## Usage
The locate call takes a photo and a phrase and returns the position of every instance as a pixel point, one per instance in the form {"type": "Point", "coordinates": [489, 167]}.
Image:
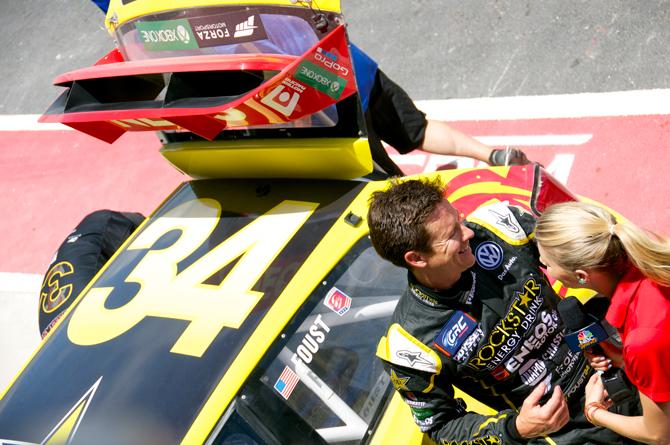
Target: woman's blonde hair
{"type": "Point", "coordinates": [578, 235]}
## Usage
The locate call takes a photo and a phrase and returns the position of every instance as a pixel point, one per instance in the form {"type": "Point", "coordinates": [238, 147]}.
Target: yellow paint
{"type": "Point", "coordinates": [61, 435]}
{"type": "Point", "coordinates": [208, 308]}
{"type": "Point", "coordinates": [397, 426]}
{"type": "Point", "coordinates": [337, 158]}
{"type": "Point", "coordinates": [488, 188]}
{"type": "Point", "coordinates": [137, 9]}
{"type": "Point", "coordinates": [335, 244]}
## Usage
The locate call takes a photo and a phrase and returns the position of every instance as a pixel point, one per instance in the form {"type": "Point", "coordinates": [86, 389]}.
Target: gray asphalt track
{"type": "Point", "coordinates": [435, 49]}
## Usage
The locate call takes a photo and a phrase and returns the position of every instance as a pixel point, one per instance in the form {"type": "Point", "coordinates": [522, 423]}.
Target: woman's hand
{"type": "Point", "coordinates": [613, 357]}
{"type": "Point", "coordinates": [595, 392]}
{"type": "Point", "coordinates": [598, 362]}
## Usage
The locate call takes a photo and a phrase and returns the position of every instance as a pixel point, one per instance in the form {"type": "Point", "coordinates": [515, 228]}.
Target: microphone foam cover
{"type": "Point", "coordinates": [574, 314]}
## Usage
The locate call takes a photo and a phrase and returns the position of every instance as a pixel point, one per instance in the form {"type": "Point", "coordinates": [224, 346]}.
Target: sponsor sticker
{"type": "Point", "coordinates": [506, 221]}
{"type": "Point", "coordinates": [422, 413]}
{"type": "Point", "coordinates": [533, 372]}
{"type": "Point", "coordinates": [320, 79]}
{"type": "Point", "coordinates": [227, 29]}
{"type": "Point", "coordinates": [330, 60]}
{"type": "Point", "coordinates": [399, 382]}
{"type": "Point", "coordinates": [169, 35]}
{"type": "Point", "coordinates": [454, 333]}
{"type": "Point", "coordinates": [489, 255]}
{"type": "Point", "coordinates": [500, 373]}
{"type": "Point", "coordinates": [469, 345]}
{"type": "Point", "coordinates": [413, 357]}
{"type": "Point", "coordinates": [282, 101]}
{"type": "Point", "coordinates": [286, 382]}
{"type": "Point", "coordinates": [508, 332]}
{"type": "Point", "coordinates": [337, 301]}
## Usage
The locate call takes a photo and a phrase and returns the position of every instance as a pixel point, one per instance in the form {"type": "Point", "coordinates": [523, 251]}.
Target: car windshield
{"type": "Point", "coordinates": [321, 381]}
{"type": "Point", "coordinates": [256, 29]}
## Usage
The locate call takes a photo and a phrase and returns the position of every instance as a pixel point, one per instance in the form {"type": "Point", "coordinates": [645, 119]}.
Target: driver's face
{"type": "Point", "coordinates": [450, 241]}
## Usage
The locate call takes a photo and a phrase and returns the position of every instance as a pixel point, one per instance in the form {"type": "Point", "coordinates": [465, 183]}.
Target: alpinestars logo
{"type": "Point", "coordinates": [505, 221]}
{"type": "Point", "coordinates": [412, 357]}
{"type": "Point", "coordinates": [245, 28]}
{"type": "Point", "coordinates": [281, 100]}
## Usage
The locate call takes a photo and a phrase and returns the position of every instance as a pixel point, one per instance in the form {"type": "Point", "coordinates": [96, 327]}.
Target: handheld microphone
{"type": "Point", "coordinates": [583, 331]}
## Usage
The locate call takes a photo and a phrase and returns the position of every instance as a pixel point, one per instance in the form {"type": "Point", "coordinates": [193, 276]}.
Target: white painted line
{"type": "Point", "coordinates": [27, 122]}
{"type": "Point", "coordinates": [551, 139]}
{"type": "Point", "coordinates": [624, 103]}
{"type": "Point", "coordinates": [20, 282]}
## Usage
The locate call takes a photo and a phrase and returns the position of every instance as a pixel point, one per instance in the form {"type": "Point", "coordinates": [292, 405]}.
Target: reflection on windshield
{"type": "Point", "coordinates": [325, 378]}
{"type": "Point", "coordinates": [284, 34]}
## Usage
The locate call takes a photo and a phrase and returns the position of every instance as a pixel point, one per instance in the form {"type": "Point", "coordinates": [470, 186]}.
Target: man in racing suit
{"type": "Point", "coordinates": [477, 314]}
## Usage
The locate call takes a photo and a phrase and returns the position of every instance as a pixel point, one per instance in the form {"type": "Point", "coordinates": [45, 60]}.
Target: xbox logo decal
{"type": "Point", "coordinates": [183, 34]}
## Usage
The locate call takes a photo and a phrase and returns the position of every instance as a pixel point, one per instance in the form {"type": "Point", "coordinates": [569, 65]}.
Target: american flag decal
{"type": "Point", "coordinates": [287, 381]}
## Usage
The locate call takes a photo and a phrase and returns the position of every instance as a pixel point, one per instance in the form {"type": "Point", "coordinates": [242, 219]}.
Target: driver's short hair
{"type": "Point", "coordinates": [397, 217]}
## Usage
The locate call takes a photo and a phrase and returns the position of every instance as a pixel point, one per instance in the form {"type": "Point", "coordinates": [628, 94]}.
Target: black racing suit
{"type": "Point", "coordinates": [496, 334]}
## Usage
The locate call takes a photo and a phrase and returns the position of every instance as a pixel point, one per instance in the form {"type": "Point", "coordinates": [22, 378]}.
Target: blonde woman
{"type": "Point", "coordinates": [583, 246]}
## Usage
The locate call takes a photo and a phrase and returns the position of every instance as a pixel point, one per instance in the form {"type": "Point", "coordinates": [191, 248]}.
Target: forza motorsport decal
{"type": "Point", "coordinates": [286, 382]}
{"type": "Point", "coordinates": [337, 301]}
{"type": "Point", "coordinates": [227, 29]}
{"type": "Point", "coordinates": [489, 255]}
{"type": "Point", "coordinates": [202, 32]}
{"type": "Point", "coordinates": [455, 331]}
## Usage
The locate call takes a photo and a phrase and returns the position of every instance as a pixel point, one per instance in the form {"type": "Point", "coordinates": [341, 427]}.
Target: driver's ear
{"type": "Point", "coordinates": [415, 259]}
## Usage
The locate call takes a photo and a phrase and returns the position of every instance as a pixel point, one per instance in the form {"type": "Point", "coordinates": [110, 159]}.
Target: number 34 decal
{"type": "Point", "coordinates": [163, 293]}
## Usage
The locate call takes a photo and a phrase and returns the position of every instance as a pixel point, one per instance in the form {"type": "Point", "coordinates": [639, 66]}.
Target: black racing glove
{"type": "Point", "coordinates": [508, 156]}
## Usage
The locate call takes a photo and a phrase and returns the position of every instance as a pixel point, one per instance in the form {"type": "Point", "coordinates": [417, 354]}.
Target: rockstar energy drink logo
{"type": "Point", "coordinates": [509, 331]}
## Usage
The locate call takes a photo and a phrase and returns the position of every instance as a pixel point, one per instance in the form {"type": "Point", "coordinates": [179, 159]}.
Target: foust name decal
{"type": "Point", "coordinates": [507, 334]}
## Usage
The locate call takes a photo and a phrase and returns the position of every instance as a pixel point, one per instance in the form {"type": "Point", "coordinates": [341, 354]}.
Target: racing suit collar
{"type": "Point", "coordinates": [460, 293]}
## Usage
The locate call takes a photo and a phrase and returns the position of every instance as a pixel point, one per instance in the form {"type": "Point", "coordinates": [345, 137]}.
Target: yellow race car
{"type": "Point", "coordinates": [247, 309]}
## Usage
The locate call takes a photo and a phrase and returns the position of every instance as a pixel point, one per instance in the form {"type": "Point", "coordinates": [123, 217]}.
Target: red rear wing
{"type": "Point", "coordinates": [204, 94]}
